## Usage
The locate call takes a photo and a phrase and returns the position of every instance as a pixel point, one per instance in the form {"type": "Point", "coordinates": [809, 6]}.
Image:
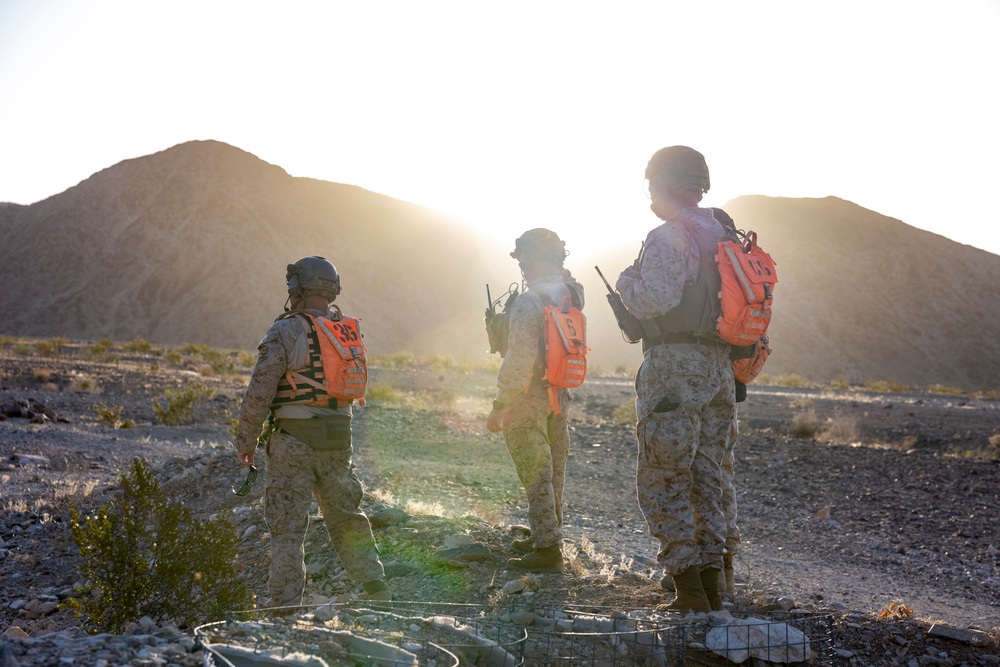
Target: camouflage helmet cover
{"type": "Point", "coordinates": [678, 166]}
{"type": "Point", "coordinates": [539, 243]}
{"type": "Point", "coordinates": [313, 273]}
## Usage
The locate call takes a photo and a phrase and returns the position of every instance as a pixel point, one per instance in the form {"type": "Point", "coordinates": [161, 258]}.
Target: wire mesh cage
{"type": "Point", "coordinates": [515, 635]}
{"type": "Point", "coordinates": [368, 635]}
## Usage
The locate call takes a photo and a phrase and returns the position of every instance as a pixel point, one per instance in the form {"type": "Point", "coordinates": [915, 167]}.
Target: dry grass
{"type": "Point", "coordinates": [840, 429]}
{"type": "Point", "coordinates": [805, 425]}
{"type": "Point", "coordinates": [897, 610]}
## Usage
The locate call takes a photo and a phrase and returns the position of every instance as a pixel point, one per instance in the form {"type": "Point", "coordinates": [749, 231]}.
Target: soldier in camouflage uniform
{"type": "Point", "coordinates": [536, 437]}
{"type": "Point", "coordinates": [309, 451]}
{"type": "Point", "coordinates": [685, 391]}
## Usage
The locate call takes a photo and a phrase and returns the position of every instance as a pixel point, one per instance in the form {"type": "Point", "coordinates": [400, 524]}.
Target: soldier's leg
{"type": "Point", "coordinates": [729, 508]}
{"type": "Point", "coordinates": [529, 450]}
{"type": "Point", "coordinates": [339, 492]}
{"type": "Point", "coordinates": [287, 498]}
{"type": "Point", "coordinates": [663, 485]}
{"type": "Point", "coordinates": [558, 427]}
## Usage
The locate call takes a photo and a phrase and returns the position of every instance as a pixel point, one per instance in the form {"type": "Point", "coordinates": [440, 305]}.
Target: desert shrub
{"type": "Point", "coordinates": [839, 429]}
{"type": "Point", "coordinates": [144, 555]}
{"type": "Point", "coordinates": [177, 407]}
{"type": "Point", "coordinates": [42, 375]}
{"type": "Point", "coordinates": [49, 348]}
{"type": "Point", "coordinates": [787, 380]}
{"type": "Point", "coordinates": [383, 392]}
{"type": "Point", "coordinates": [396, 361]}
{"type": "Point", "coordinates": [944, 390]}
{"type": "Point", "coordinates": [840, 384]}
{"type": "Point", "coordinates": [23, 349]}
{"type": "Point", "coordinates": [102, 350]}
{"type": "Point", "coordinates": [138, 344]}
{"type": "Point", "coordinates": [804, 425]}
{"type": "Point", "coordinates": [112, 416]}
{"type": "Point", "coordinates": [624, 413]}
{"type": "Point", "coordinates": [173, 357]}
{"type": "Point", "coordinates": [897, 610]}
{"type": "Point", "coordinates": [885, 386]}
{"type": "Point", "coordinates": [246, 359]}
{"type": "Point", "coordinates": [84, 384]}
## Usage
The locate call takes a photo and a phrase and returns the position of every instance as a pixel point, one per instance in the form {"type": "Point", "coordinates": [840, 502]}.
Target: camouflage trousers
{"type": "Point", "coordinates": [685, 401]}
{"type": "Point", "coordinates": [733, 539]}
{"type": "Point", "coordinates": [295, 473]}
{"type": "Point", "coordinates": [538, 443]}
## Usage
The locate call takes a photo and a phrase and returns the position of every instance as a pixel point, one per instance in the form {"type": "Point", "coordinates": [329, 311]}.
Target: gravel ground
{"type": "Point", "coordinates": [896, 515]}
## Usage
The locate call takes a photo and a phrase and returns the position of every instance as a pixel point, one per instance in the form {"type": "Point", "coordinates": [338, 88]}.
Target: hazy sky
{"type": "Point", "coordinates": [521, 114]}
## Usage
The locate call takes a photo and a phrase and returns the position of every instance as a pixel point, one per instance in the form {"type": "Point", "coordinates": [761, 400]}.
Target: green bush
{"type": "Point", "coordinates": [144, 555]}
{"type": "Point", "coordinates": [112, 416]}
{"type": "Point", "coordinates": [138, 344]}
{"type": "Point", "coordinates": [177, 408]}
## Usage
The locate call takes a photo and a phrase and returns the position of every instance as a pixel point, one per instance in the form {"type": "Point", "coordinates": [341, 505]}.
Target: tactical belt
{"type": "Point", "coordinates": [680, 337]}
{"type": "Point", "coordinates": [320, 433]}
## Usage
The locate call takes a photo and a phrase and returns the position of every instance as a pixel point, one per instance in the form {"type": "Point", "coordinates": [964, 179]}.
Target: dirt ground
{"type": "Point", "coordinates": [891, 507]}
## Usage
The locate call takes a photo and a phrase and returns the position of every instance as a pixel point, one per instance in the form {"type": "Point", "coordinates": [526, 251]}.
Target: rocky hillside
{"type": "Point", "coordinates": [190, 245]}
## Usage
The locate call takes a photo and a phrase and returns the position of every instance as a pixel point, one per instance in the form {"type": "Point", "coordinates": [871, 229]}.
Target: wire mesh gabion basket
{"type": "Point", "coordinates": [362, 636]}
{"type": "Point", "coordinates": [444, 634]}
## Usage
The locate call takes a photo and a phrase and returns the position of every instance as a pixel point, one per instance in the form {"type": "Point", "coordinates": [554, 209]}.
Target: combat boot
{"type": "Point", "coordinates": [544, 560]}
{"type": "Point", "coordinates": [690, 594]}
{"type": "Point", "coordinates": [377, 590]}
{"type": "Point", "coordinates": [710, 584]}
{"type": "Point", "coordinates": [525, 546]}
{"type": "Point", "coordinates": [728, 574]}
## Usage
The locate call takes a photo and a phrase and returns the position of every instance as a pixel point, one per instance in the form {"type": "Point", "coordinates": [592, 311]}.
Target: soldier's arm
{"type": "Point", "coordinates": [518, 367]}
{"type": "Point", "coordinates": [270, 367]}
{"type": "Point", "coordinates": [656, 287]}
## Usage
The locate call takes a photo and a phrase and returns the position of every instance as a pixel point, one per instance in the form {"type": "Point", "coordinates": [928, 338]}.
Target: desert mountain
{"type": "Point", "coordinates": [190, 245]}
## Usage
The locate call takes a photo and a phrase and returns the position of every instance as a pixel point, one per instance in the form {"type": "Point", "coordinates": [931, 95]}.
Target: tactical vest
{"type": "Point", "coordinates": [699, 308]}
{"type": "Point", "coordinates": [336, 371]}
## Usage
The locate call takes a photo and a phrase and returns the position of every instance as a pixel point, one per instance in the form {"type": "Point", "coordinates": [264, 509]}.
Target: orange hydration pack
{"type": "Point", "coordinates": [337, 369]}
{"type": "Point", "coordinates": [565, 349]}
{"type": "Point", "coordinates": [748, 278]}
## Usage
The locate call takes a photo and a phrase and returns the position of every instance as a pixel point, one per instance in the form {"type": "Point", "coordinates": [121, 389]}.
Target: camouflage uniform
{"type": "Point", "coordinates": [537, 439]}
{"type": "Point", "coordinates": [685, 403]}
{"type": "Point", "coordinates": [733, 539]}
{"type": "Point", "coordinates": [296, 471]}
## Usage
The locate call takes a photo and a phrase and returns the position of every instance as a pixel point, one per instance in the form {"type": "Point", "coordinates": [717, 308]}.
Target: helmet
{"type": "Point", "coordinates": [678, 166]}
{"type": "Point", "coordinates": [313, 273]}
{"type": "Point", "coordinates": [539, 243]}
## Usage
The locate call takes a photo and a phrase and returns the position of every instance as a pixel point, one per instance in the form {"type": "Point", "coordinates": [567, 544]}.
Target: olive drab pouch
{"type": "Point", "coordinates": [748, 279]}
{"type": "Point", "coordinates": [498, 321]}
{"type": "Point", "coordinates": [565, 349]}
{"type": "Point", "coordinates": [331, 432]}
{"type": "Point", "coordinates": [745, 370]}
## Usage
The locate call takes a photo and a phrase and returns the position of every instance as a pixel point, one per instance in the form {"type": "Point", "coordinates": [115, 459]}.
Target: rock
{"type": "Point", "coordinates": [381, 515]}
{"type": "Point", "coordinates": [463, 555]}
{"type": "Point", "coordinates": [958, 634]}
{"type": "Point", "coordinates": [753, 637]}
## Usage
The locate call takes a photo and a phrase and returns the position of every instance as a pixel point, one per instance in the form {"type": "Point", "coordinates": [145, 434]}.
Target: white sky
{"type": "Point", "coordinates": [525, 113]}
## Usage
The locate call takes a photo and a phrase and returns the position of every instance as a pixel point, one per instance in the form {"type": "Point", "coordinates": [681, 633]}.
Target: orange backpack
{"type": "Point", "coordinates": [338, 371]}
{"type": "Point", "coordinates": [748, 278]}
{"type": "Point", "coordinates": [746, 370]}
{"type": "Point", "coordinates": [565, 349]}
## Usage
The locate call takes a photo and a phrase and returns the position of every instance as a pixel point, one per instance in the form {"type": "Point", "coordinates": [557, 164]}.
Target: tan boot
{"type": "Point", "coordinates": [729, 573]}
{"type": "Point", "coordinates": [546, 559]}
{"type": "Point", "coordinates": [524, 546]}
{"type": "Point", "coordinates": [690, 594]}
{"type": "Point", "coordinates": [710, 584]}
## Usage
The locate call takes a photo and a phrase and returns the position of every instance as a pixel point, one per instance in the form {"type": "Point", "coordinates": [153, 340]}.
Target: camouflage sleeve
{"type": "Point", "coordinates": [270, 367]}
{"type": "Point", "coordinates": [518, 367]}
{"type": "Point", "coordinates": [657, 286]}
